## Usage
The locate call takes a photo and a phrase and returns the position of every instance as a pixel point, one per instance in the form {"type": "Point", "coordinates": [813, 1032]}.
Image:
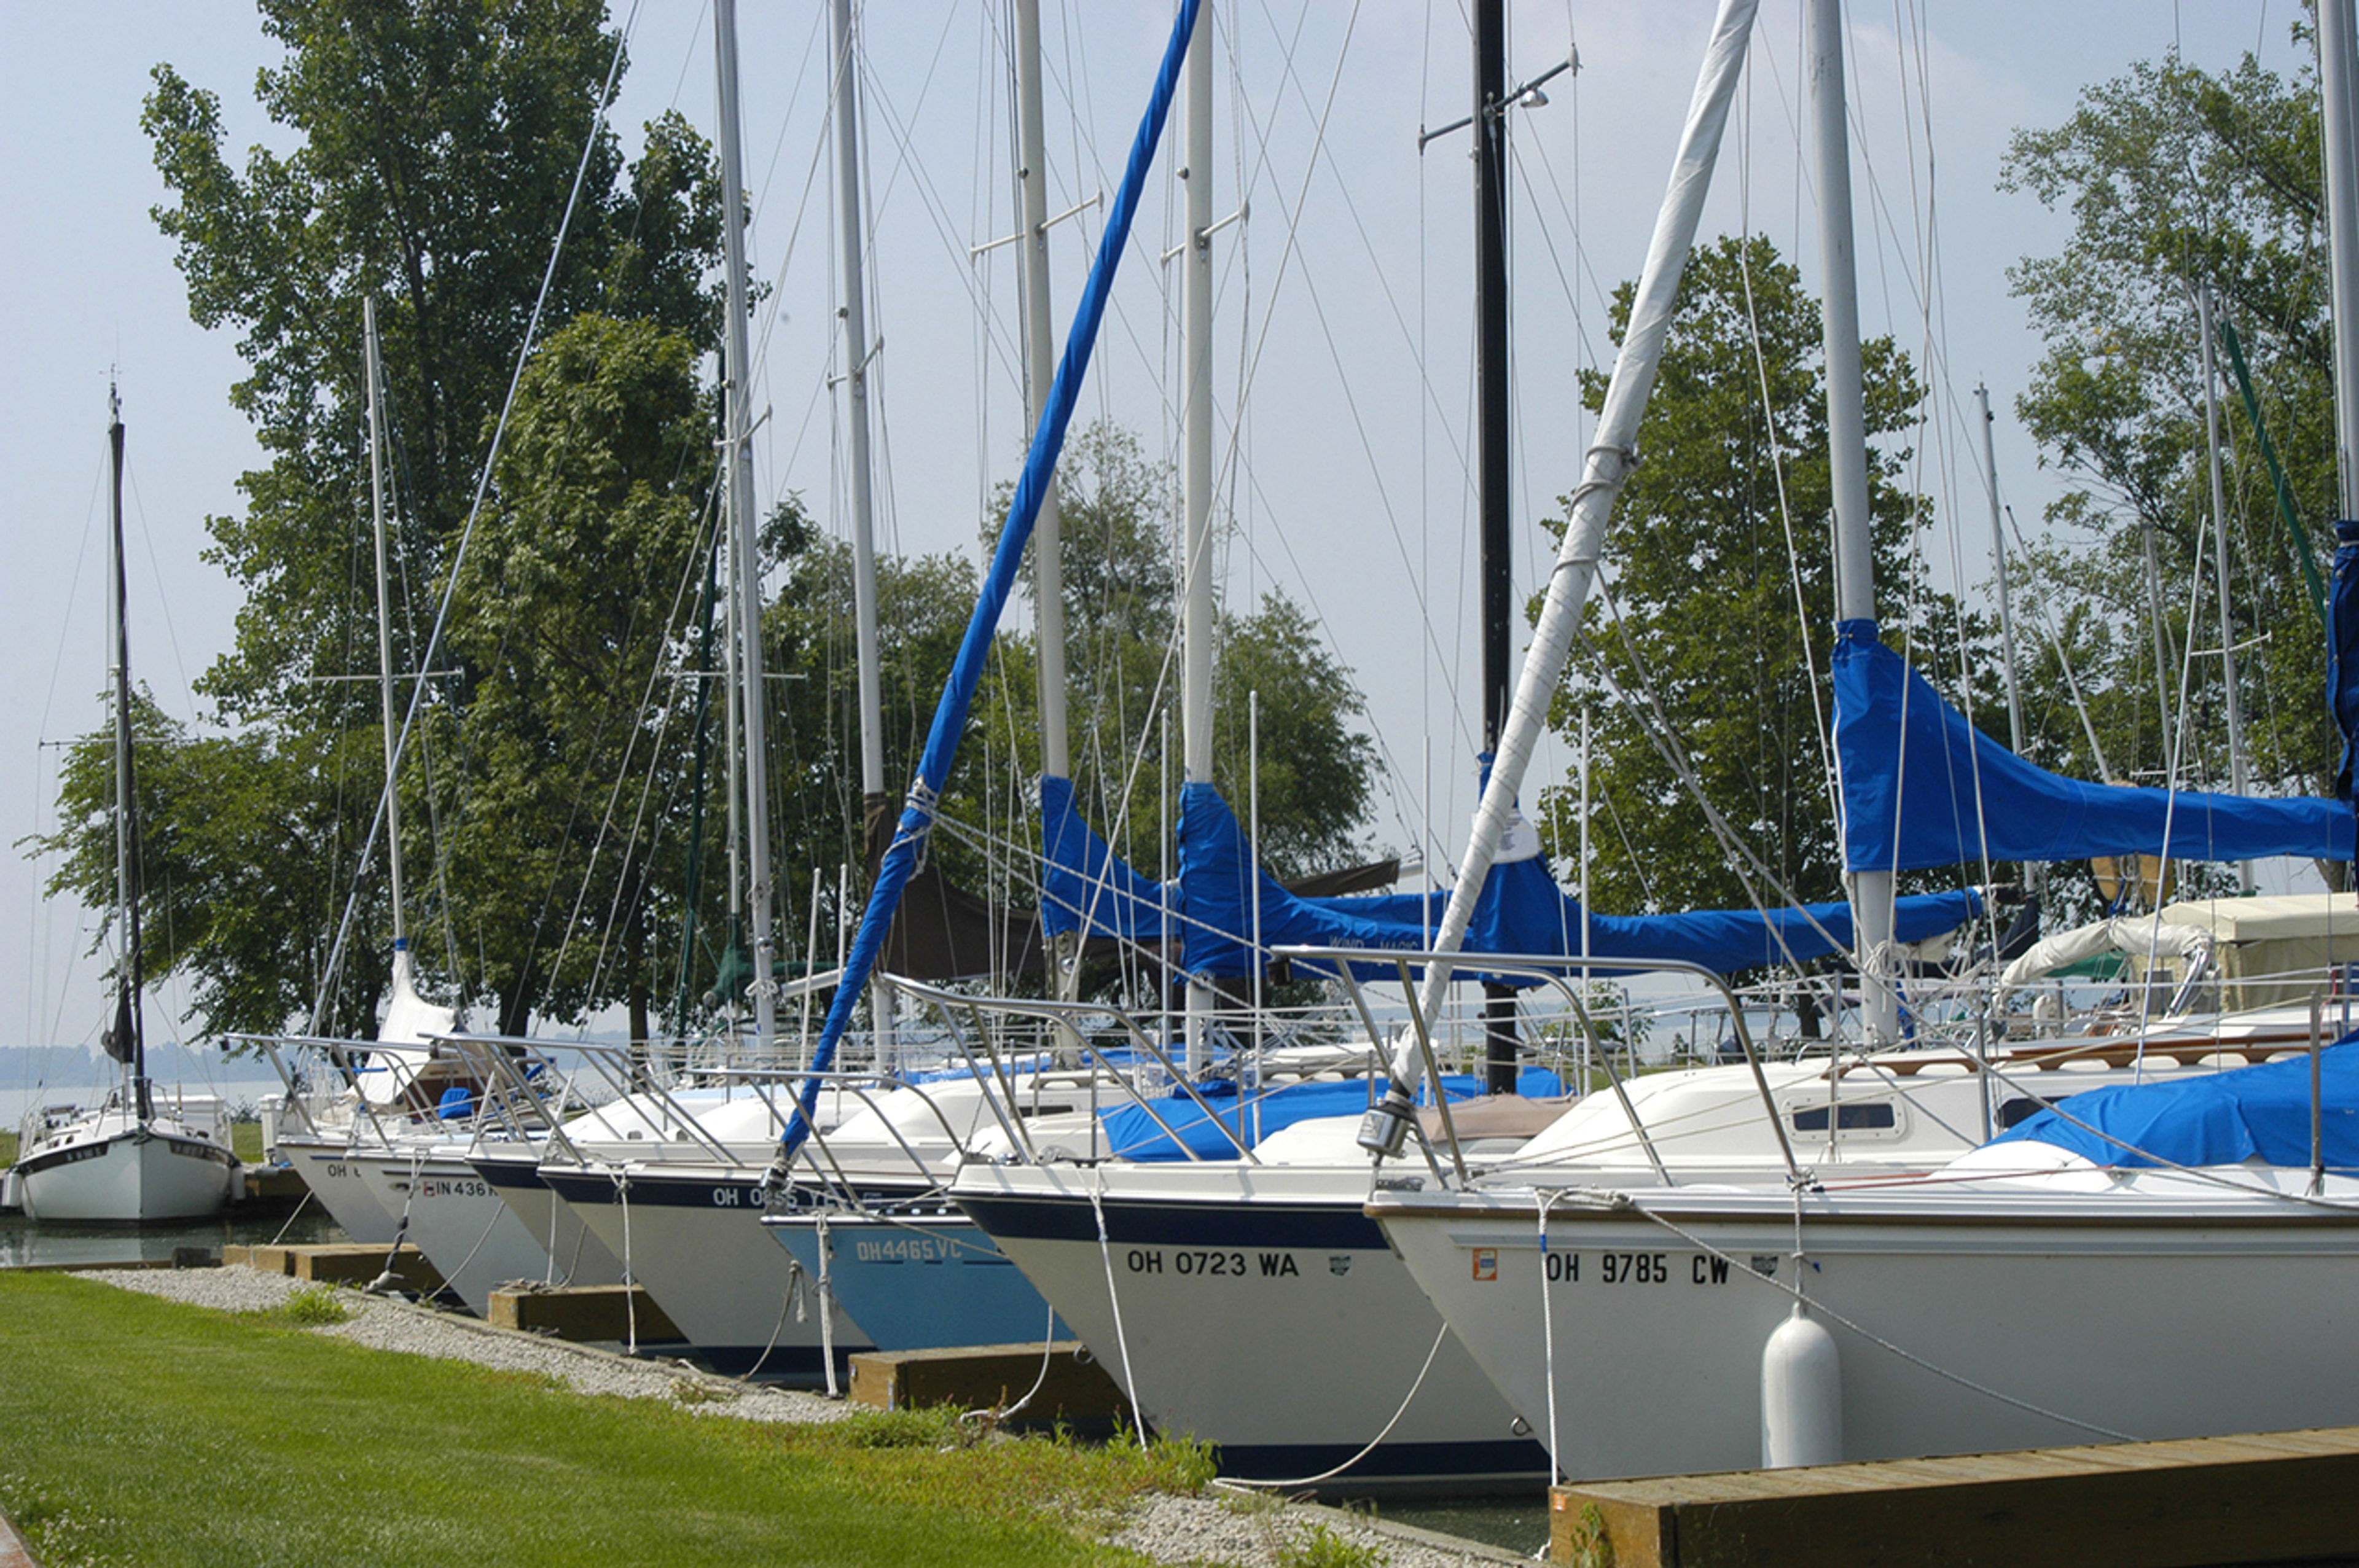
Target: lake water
{"type": "Point", "coordinates": [22, 1242]}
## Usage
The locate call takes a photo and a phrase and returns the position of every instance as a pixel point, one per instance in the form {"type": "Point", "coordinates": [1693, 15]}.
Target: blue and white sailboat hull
{"type": "Point", "coordinates": [916, 1278]}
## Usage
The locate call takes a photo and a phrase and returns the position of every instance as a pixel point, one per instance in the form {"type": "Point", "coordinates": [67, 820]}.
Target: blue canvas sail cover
{"type": "Point", "coordinates": [1522, 911]}
{"type": "Point", "coordinates": [2219, 1118]}
{"type": "Point", "coordinates": [2342, 658]}
{"type": "Point", "coordinates": [1132, 1133]}
{"type": "Point", "coordinates": [1922, 788]}
{"type": "Point", "coordinates": [1084, 885]}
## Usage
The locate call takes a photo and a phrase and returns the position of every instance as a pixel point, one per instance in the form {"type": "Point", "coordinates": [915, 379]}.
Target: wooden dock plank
{"type": "Point", "coordinates": [2252, 1498]}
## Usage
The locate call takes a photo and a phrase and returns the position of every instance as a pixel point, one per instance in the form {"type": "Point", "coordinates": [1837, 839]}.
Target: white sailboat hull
{"type": "Point", "coordinates": [112, 1168]}
{"type": "Point", "coordinates": [334, 1176]}
{"type": "Point", "coordinates": [691, 1234]}
{"type": "Point", "coordinates": [455, 1218]}
{"type": "Point", "coordinates": [576, 1255]}
{"type": "Point", "coordinates": [1258, 1310]}
{"type": "Point", "coordinates": [2028, 1319]}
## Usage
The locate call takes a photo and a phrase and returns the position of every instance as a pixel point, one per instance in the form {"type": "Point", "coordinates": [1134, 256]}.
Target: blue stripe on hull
{"type": "Point", "coordinates": [1148, 1222]}
{"type": "Point", "coordinates": [1508, 1464]}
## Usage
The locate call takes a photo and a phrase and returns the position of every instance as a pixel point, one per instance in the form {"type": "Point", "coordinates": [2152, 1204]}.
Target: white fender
{"type": "Point", "coordinates": [1801, 1395]}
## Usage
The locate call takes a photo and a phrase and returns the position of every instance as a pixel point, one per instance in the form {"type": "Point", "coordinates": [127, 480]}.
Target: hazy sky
{"type": "Point", "coordinates": [1343, 310]}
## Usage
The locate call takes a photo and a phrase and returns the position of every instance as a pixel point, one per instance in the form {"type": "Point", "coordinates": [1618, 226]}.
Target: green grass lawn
{"type": "Point", "coordinates": [139, 1430]}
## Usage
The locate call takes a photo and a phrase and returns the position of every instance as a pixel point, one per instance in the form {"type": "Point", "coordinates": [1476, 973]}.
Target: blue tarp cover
{"type": "Point", "coordinates": [2219, 1118]}
{"type": "Point", "coordinates": [1083, 882]}
{"type": "Point", "coordinates": [2342, 657]}
{"type": "Point", "coordinates": [1132, 1134]}
{"type": "Point", "coordinates": [1522, 911]}
{"type": "Point", "coordinates": [1922, 788]}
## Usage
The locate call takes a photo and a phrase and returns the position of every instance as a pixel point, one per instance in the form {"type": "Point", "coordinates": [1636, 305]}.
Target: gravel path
{"type": "Point", "coordinates": [1242, 1532]}
{"type": "Point", "coordinates": [384, 1324]}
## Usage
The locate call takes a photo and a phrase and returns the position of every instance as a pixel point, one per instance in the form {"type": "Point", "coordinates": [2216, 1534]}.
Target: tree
{"type": "Point", "coordinates": [1717, 622]}
{"type": "Point", "coordinates": [567, 614]}
{"type": "Point", "coordinates": [237, 841]}
{"type": "Point", "coordinates": [2177, 178]}
{"type": "Point", "coordinates": [437, 147]}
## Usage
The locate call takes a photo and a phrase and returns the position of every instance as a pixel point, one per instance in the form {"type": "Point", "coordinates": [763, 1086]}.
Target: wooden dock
{"type": "Point", "coordinates": [2264, 1498]}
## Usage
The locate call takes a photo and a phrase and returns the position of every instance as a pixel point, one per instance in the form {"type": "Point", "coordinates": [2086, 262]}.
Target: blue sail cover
{"type": "Point", "coordinates": [1922, 788]}
{"type": "Point", "coordinates": [1132, 1134]}
{"type": "Point", "coordinates": [1083, 883]}
{"type": "Point", "coordinates": [2220, 1118]}
{"type": "Point", "coordinates": [2342, 658]}
{"type": "Point", "coordinates": [983, 624]}
{"type": "Point", "coordinates": [1522, 911]}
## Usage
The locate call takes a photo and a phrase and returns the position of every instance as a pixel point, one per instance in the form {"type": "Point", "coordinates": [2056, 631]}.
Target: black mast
{"type": "Point", "coordinates": [128, 1044]}
{"type": "Point", "coordinates": [1491, 447]}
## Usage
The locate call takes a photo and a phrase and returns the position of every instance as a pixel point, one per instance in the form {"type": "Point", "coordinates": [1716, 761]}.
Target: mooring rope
{"type": "Point", "coordinates": [1120, 1340]}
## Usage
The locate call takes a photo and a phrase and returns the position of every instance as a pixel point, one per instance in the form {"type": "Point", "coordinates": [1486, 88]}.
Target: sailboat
{"type": "Point", "coordinates": [127, 1161]}
{"type": "Point", "coordinates": [2167, 1260]}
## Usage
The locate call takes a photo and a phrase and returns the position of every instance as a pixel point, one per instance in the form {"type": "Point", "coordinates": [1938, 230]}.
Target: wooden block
{"type": "Point", "coordinates": [989, 1376]}
{"type": "Point", "coordinates": [358, 1265]}
{"type": "Point", "coordinates": [2275, 1496]}
{"type": "Point", "coordinates": [583, 1312]}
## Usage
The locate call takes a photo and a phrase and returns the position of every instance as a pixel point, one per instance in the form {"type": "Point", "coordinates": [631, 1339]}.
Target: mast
{"type": "Point", "coordinates": [1612, 455]}
{"type": "Point", "coordinates": [2336, 67]}
{"type": "Point", "coordinates": [371, 374]}
{"type": "Point", "coordinates": [1871, 892]}
{"type": "Point", "coordinates": [736, 376]}
{"type": "Point", "coordinates": [875, 801]}
{"type": "Point", "coordinates": [1490, 127]}
{"type": "Point", "coordinates": [2032, 873]}
{"type": "Point", "coordinates": [2238, 779]}
{"type": "Point", "coordinates": [128, 1044]}
{"type": "Point", "coordinates": [1196, 561]}
{"type": "Point", "coordinates": [1039, 369]}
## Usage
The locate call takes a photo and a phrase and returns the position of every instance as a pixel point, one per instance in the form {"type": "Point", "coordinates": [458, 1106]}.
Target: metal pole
{"type": "Point", "coordinates": [2336, 69]}
{"type": "Point", "coordinates": [1039, 369]}
{"type": "Point", "coordinates": [383, 621]}
{"type": "Point", "coordinates": [1490, 123]}
{"type": "Point", "coordinates": [2238, 774]}
{"type": "Point", "coordinates": [1196, 561]}
{"type": "Point", "coordinates": [855, 312]}
{"type": "Point", "coordinates": [1871, 892]}
{"type": "Point", "coordinates": [743, 525]}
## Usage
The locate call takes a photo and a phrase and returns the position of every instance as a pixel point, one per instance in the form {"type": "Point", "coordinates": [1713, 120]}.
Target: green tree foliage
{"type": "Point", "coordinates": [221, 817]}
{"type": "Point", "coordinates": [1122, 614]}
{"type": "Point", "coordinates": [1722, 600]}
{"type": "Point", "coordinates": [434, 147]}
{"type": "Point", "coordinates": [2175, 177]}
{"type": "Point", "coordinates": [564, 622]}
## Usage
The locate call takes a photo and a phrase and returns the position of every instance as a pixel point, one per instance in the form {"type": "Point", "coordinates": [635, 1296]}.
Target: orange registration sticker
{"type": "Point", "coordinates": [1486, 1263]}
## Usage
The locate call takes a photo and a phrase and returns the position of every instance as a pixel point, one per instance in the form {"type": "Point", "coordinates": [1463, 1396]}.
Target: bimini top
{"type": "Point", "coordinates": [2217, 1118]}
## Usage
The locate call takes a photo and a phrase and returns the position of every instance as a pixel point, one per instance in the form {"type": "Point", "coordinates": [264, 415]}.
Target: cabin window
{"type": "Point", "coordinates": [1868, 1116]}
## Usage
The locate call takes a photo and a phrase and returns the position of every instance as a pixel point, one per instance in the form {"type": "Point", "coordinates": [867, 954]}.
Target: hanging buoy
{"type": "Point", "coordinates": [1801, 1395]}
